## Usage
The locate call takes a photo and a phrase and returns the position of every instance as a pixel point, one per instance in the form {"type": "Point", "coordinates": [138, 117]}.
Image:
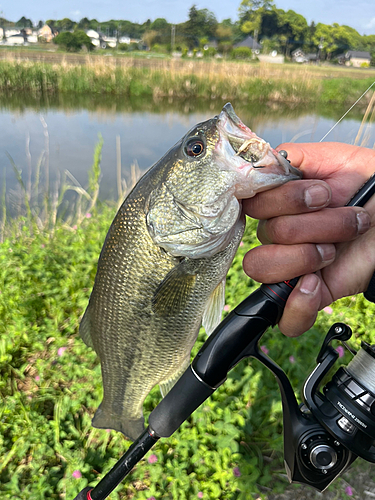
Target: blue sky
{"type": "Point", "coordinates": [359, 14]}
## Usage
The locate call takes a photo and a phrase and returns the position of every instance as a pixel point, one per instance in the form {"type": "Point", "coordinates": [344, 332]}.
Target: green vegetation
{"type": "Point", "coordinates": [50, 383]}
{"type": "Point", "coordinates": [275, 28]}
{"type": "Point", "coordinates": [206, 80]}
{"type": "Point", "coordinates": [73, 42]}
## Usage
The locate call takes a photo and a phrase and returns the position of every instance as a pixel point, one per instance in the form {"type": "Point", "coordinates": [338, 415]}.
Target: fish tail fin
{"type": "Point", "coordinates": [105, 419]}
{"type": "Point", "coordinates": [85, 329]}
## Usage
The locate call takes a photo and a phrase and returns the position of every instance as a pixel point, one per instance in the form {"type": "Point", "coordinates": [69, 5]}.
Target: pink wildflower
{"type": "Point", "coordinates": [152, 459]}
{"type": "Point", "coordinates": [61, 350]}
{"type": "Point", "coordinates": [88, 215]}
{"type": "Point", "coordinates": [42, 245]}
{"type": "Point", "coordinates": [340, 350]}
{"type": "Point", "coordinates": [236, 472]}
{"type": "Point", "coordinates": [349, 491]}
{"type": "Point", "coordinates": [226, 307]}
{"type": "Point", "coordinates": [151, 498]}
{"type": "Point", "coordinates": [292, 359]}
{"type": "Point", "coordinates": [37, 378]}
{"type": "Point", "coordinates": [200, 494]}
{"type": "Point", "coordinates": [75, 227]}
{"type": "Point", "coordinates": [241, 244]}
{"type": "Point", "coordinates": [328, 310]}
{"type": "Point", "coordinates": [264, 349]}
{"type": "Point", "coordinates": [77, 474]}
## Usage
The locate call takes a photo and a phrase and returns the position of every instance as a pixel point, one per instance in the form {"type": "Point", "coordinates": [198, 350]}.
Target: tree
{"type": "Point", "coordinates": [66, 24]}
{"type": "Point", "coordinates": [160, 24]}
{"type": "Point", "coordinates": [84, 24]}
{"type": "Point", "coordinates": [73, 42]}
{"type": "Point", "coordinates": [251, 14]}
{"type": "Point", "coordinates": [201, 23]}
{"type": "Point", "coordinates": [24, 23]}
{"type": "Point", "coordinates": [334, 39]}
{"type": "Point", "coordinates": [150, 37]}
{"type": "Point", "coordinates": [293, 27]}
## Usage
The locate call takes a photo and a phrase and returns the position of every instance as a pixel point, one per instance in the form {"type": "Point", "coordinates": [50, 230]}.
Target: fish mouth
{"type": "Point", "coordinates": [252, 151]}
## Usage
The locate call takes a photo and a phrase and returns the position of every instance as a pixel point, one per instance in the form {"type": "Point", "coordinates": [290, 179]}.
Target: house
{"type": "Point", "coordinates": [355, 58]}
{"type": "Point", "coordinates": [124, 39]}
{"type": "Point", "coordinates": [250, 43]}
{"type": "Point", "coordinates": [47, 32]}
{"type": "Point", "coordinates": [299, 56]}
{"type": "Point", "coordinates": [18, 39]}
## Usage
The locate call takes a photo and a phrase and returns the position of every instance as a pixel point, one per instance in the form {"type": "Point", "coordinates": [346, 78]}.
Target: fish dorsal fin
{"type": "Point", "coordinates": [166, 385]}
{"type": "Point", "coordinates": [214, 308]}
{"type": "Point", "coordinates": [175, 290]}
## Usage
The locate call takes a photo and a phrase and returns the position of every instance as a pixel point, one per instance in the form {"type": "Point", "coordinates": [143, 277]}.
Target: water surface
{"type": "Point", "coordinates": [66, 129]}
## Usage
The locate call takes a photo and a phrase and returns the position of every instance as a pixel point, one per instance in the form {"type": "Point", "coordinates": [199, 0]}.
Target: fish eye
{"type": "Point", "coordinates": [194, 147]}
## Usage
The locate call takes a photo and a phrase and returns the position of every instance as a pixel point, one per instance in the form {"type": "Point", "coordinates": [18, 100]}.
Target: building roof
{"type": "Point", "coordinates": [358, 54]}
{"type": "Point", "coordinates": [248, 42]}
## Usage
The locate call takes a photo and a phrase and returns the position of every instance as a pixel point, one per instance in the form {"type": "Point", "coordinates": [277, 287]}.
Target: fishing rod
{"type": "Point", "coordinates": [322, 437]}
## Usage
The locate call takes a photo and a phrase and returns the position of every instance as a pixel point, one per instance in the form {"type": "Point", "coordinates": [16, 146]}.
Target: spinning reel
{"type": "Point", "coordinates": [333, 426]}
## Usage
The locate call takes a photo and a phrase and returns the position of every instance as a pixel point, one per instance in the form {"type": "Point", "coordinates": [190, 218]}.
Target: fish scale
{"type": "Point", "coordinates": [162, 269]}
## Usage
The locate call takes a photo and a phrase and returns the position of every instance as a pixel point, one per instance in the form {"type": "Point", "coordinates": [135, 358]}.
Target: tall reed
{"type": "Point", "coordinates": [183, 79]}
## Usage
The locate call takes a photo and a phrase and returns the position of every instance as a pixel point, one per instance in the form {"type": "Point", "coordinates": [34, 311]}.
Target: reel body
{"type": "Point", "coordinates": [326, 433]}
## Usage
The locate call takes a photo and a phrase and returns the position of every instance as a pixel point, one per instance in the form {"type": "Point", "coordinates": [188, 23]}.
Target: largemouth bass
{"type": "Point", "coordinates": [161, 272]}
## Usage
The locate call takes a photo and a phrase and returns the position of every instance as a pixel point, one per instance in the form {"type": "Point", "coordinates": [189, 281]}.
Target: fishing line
{"type": "Point", "coordinates": [362, 368]}
{"type": "Point", "coordinates": [343, 116]}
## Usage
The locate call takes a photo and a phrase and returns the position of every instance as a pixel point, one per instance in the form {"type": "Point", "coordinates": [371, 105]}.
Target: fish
{"type": "Point", "coordinates": [161, 272]}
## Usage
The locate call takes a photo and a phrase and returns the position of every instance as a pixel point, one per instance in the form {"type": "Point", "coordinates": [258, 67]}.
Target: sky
{"type": "Point", "coordinates": [359, 14]}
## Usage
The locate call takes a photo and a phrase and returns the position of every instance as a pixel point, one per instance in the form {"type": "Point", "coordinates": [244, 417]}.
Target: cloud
{"type": "Point", "coordinates": [75, 13]}
{"type": "Point", "coordinates": [371, 24]}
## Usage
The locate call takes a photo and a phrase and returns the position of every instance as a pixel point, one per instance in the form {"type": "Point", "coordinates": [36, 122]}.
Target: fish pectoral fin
{"type": "Point", "coordinates": [214, 308]}
{"type": "Point", "coordinates": [173, 293]}
{"type": "Point", "coordinates": [166, 385]}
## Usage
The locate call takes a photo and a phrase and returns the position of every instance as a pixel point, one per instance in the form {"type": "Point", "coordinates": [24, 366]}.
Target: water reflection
{"type": "Point", "coordinates": [147, 129]}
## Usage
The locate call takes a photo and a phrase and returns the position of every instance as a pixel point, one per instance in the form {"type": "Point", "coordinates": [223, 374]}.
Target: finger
{"type": "Point", "coordinates": [343, 166]}
{"type": "Point", "coordinates": [330, 225]}
{"type": "Point", "coordinates": [291, 198]}
{"type": "Point", "coordinates": [302, 306]}
{"type": "Point", "coordinates": [274, 263]}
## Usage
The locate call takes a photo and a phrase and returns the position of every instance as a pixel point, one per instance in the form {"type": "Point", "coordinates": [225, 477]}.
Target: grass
{"type": "Point", "coordinates": [50, 383]}
{"type": "Point", "coordinates": [133, 78]}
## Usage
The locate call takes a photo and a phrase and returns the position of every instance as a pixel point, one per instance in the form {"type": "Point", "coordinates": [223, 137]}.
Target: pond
{"type": "Point", "coordinates": [61, 134]}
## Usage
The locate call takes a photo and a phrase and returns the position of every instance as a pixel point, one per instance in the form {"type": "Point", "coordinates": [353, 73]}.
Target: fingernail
{"type": "Point", "coordinates": [309, 284]}
{"type": "Point", "coordinates": [327, 251]}
{"type": "Point", "coordinates": [317, 196]}
{"type": "Point", "coordinates": [363, 222]}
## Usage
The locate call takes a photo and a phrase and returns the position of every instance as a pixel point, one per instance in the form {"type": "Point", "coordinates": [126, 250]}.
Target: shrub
{"type": "Point", "coordinates": [242, 53]}
{"type": "Point", "coordinates": [124, 47]}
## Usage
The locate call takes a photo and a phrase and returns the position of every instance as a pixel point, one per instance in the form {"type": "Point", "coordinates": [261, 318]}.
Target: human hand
{"type": "Point", "coordinates": [306, 229]}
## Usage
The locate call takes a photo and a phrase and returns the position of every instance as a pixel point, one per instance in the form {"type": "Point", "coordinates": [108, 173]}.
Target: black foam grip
{"type": "Point", "coordinates": [184, 398]}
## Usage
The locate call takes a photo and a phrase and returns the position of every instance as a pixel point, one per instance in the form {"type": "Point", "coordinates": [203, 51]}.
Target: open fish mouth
{"type": "Point", "coordinates": [245, 144]}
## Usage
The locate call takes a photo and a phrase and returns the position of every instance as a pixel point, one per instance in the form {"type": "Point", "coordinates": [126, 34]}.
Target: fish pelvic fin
{"type": "Point", "coordinates": [85, 329]}
{"type": "Point", "coordinates": [105, 419]}
{"type": "Point", "coordinates": [166, 385]}
{"type": "Point", "coordinates": [214, 308]}
{"type": "Point", "coordinates": [174, 291]}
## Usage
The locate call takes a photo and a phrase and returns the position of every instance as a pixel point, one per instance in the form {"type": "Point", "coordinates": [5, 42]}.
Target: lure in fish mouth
{"type": "Point", "coordinates": [161, 272]}
{"type": "Point", "coordinates": [254, 154]}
